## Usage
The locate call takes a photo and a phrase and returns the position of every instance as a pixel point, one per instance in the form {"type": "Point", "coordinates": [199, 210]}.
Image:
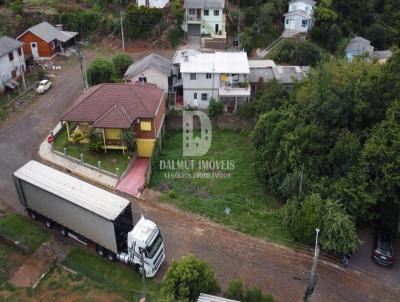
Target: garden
{"type": "Point", "coordinates": [114, 161]}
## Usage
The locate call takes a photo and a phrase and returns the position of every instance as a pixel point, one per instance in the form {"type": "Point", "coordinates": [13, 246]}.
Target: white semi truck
{"type": "Point", "coordinates": [89, 214]}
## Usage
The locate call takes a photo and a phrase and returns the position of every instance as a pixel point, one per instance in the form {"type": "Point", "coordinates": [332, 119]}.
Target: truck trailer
{"type": "Point", "coordinates": [89, 214]}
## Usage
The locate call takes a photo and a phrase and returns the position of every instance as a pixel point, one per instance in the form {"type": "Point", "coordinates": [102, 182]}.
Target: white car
{"type": "Point", "coordinates": [44, 85]}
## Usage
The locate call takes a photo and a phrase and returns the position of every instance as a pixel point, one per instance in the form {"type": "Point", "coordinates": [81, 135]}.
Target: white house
{"type": "Point", "coordinates": [299, 18]}
{"type": "Point", "coordinates": [12, 63]}
{"type": "Point", "coordinates": [204, 17]}
{"type": "Point", "coordinates": [219, 75]}
{"type": "Point", "coordinates": [152, 3]}
{"type": "Point", "coordinates": [154, 69]}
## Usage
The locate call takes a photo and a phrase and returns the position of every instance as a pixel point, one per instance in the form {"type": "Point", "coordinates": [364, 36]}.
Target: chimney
{"type": "Point", "coordinates": [59, 27]}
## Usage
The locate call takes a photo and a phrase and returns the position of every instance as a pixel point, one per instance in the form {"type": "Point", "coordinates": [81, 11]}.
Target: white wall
{"type": "Point", "coordinates": [7, 66]}
{"type": "Point", "coordinates": [153, 76]}
{"type": "Point", "coordinates": [212, 20]}
{"type": "Point", "coordinates": [199, 86]}
{"type": "Point", "coordinates": [301, 6]}
{"type": "Point", "coordinates": [188, 97]}
{"type": "Point", "coordinates": [295, 23]}
{"type": "Point", "coordinates": [153, 3]}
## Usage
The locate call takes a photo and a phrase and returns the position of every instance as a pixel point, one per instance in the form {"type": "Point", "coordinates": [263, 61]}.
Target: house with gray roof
{"type": "Point", "coordinates": [263, 71]}
{"type": "Point", "coordinates": [204, 17]}
{"type": "Point", "coordinates": [43, 41]}
{"type": "Point", "coordinates": [12, 62]}
{"type": "Point", "coordinates": [154, 69]}
{"type": "Point", "coordinates": [359, 46]}
{"type": "Point", "coordinates": [209, 298]}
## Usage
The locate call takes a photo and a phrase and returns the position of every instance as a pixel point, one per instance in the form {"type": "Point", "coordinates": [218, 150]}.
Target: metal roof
{"type": "Point", "coordinates": [83, 194]}
{"type": "Point", "coordinates": [310, 2]}
{"type": "Point", "coordinates": [261, 63]}
{"type": "Point", "coordinates": [218, 62]}
{"type": "Point", "coordinates": [8, 44]}
{"type": "Point", "coordinates": [359, 44]}
{"type": "Point", "coordinates": [209, 298]}
{"type": "Point", "coordinates": [204, 4]}
{"type": "Point", "coordinates": [48, 32]}
{"type": "Point", "coordinates": [154, 60]}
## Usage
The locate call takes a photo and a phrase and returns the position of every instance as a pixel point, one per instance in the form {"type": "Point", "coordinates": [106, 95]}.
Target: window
{"type": "Point", "coordinates": [206, 12]}
{"type": "Point", "coordinates": [145, 126]}
{"type": "Point", "coordinates": [307, 8]}
{"type": "Point", "coordinates": [11, 56]}
{"type": "Point", "coordinates": [304, 23]}
{"type": "Point", "coordinates": [53, 45]}
{"type": "Point", "coordinates": [287, 21]}
{"type": "Point", "coordinates": [20, 51]}
{"type": "Point", "coordinates": [192, 11]}
{"type": "Point", "coordinates": [195, 95]}
{"type": "Point", "coordinates": [192, 76]}
{"type": "Point", "coordinates": [216, 12]}
{"type": "Point", "coordinates": [294, 7]}
{"type": "Point", "coordinates": [204, 97]}
{"type": "Point", "coordinates": [113, 134]}
{"type": "Point", "coordinates": [208, 75]}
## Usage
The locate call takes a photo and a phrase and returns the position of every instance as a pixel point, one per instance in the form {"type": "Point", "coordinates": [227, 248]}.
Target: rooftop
{"type": "Point", "coordinates": [154, 60]}
{"type": "Point", "coordinates": [359, 44]}
{"type": "Point", "coordinates": [8, 44]}
{"type": "Point", "coordinates": [217, 62]}
{"type": "Point", "coordinates": [209, 298]}
{"type": "Point", "coordinates": [115, 105]}
{"type": "Point", "coordinates": [284, 74]}
{"type": "Point", "coordinates": [204, 4]}
{"type": "Point", "coordinates": [145, 230]}
{"type": "Point", "coordinates": [49, 33]}
{"type": "Point", "coordinates": [261, 63]}
{"type": "Point", "coordinates": [78, 192]}
{"type": "Point", "coordinates": [310, 2]}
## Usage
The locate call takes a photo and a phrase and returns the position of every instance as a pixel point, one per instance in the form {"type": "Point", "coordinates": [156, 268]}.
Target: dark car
{"type": "Point", "coordinates": [383, 252]}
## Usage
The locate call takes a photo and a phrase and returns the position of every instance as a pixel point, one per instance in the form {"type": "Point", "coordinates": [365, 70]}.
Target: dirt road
{"type": "Point", "coordinates": [278, 270]}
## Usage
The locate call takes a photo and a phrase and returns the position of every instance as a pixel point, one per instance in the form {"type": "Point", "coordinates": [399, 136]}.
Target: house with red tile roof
{"type": "Point", "coordinates": [111, 109]}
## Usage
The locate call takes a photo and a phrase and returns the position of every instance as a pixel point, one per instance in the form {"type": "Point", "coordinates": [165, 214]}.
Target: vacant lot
{"type": "Point", "coordinates": [250, 209]}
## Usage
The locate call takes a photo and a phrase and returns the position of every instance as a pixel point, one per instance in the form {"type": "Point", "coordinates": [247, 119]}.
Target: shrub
{"type": "Point", "coordinates": [215, 108]}
{"type": "Point", "coordinates": [237, 291]}
{"type": "Point", "coordinates": [175, 35]}
{"type": "Point", "coordinates": [121, 63]}
{"type": "Point", "coordinates": [187, 278]}
{"type": "Point", "coordinates": [16, 6]}
{"type": "Point", "coordinates": [298, 53]}
{"type": "Point", "coordinates": [100, 71]}
{"type": "Point", "coordinates": [95, 142]}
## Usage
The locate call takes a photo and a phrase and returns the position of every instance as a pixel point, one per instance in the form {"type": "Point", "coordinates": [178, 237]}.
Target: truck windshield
{"type": "Point", "coordinates": [153, 248]}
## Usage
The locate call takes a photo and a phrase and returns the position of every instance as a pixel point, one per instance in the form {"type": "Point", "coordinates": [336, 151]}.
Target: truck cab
{"type": "Point", "coordinates": [145, 239]}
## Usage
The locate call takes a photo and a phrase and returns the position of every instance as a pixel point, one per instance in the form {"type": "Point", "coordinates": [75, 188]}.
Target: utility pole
{"type": "Point", "coordinates": [122, 31]}
{"type": "Point", "coordinates": [301, 181]}
{"type": "Point", "coordinates": [144, 277]}
{"type": "Point", "coordinates": [312, 281]}
{"type": "Point", "coordinates": [82, 71]}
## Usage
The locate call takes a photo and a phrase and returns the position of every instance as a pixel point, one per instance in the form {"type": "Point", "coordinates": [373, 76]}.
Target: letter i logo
{"type": "Point", "coordinates": [196, 146]}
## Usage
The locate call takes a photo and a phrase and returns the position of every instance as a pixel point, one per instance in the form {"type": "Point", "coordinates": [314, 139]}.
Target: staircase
{"type": "Point", "coordinates": [263, 52]}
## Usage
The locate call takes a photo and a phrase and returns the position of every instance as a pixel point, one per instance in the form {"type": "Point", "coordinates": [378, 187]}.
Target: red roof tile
{"type": "Point", "coordinates": [115, 105]}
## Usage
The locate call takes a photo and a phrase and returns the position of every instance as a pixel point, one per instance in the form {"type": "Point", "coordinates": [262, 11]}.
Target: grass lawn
{"type": "Point", "coordinates": [10, 259]}
{"type": "Point", "coordinates": [114, 277]}
{"type": "Point", "coordinates": [253, 211]}
{"type": "Point", "coordinates": [107, 160]}
{"type": "Point", "coordinates": [21, 229]}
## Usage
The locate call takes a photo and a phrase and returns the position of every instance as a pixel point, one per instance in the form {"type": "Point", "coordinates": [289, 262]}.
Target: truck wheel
{"type": "Point", "coordinates": [100, 251]}
{"type": "Point", "coordinates": [63, 231]}
{"type": "Point", "coordinates": [111, 256]}
{"type": "Point", "coordinates": [33, 215]}
{"type": "Point", "coordinates": [48, 223]}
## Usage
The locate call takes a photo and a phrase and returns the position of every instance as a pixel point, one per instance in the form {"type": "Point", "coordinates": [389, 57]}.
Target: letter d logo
{"type": "Point", "coordinates": [196, 146]}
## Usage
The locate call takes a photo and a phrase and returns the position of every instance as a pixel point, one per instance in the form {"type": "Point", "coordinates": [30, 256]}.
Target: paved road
{"type": "Point", "coordinates": [21, 136]}
{"type": "Point", "coordinates": [277, 270]}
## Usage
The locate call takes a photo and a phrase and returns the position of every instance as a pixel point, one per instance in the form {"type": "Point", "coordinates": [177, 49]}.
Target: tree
{"type": "Point", "coordinates": [100, 71]}
{"type": "Point", "coordinates": [141, 20]}
{"type": "Point", "coordinates": [121, 63]}
{"type": "Point", "coordinates": [16, 6]}
{"type": "Point", "coordinates": [215, 108]}
{"type": "Point", "coordinates": [187, 278]}
{"type": "Point", "coordinates": [376, 33]}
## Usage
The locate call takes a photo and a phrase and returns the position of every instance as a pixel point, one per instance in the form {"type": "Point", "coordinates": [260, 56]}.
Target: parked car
{"type": "Point", "coordinates": [383, 252]}
{"type": "Point", "coordinates": [44, 85]}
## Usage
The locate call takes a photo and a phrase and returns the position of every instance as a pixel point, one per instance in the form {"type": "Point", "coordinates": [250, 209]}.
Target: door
{"type": "Point", "coordinates": [194, 29]}
{"type": "Point", "coordinates": [199, 14]}
{"type": "Point", "coordinates": [216, 29]}
{"type": "Point", "coordinates": [35, 51]}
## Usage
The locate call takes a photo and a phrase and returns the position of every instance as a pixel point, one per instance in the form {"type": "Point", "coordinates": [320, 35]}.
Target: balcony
{"type": "Point", "coordinates": [193, 19]}
{"type": "Point", "coordinates": [235, 90]}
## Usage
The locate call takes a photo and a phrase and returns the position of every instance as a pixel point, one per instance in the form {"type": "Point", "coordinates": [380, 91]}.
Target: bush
{"type": "Point", "coordinates": [187, 278]}
{"type": "Point", "coordinates": [140, 21]}
{"type": "Point", "coordinates": [100, 71]}
{"type": "Point", "coordinates": [302, 53]}
{"type": "Point", "coordinates": [215, 108]}
{"type": "Point", "coordinates": [121, 63]}
{"type": "Point", "coordinates": [175, 35]}
{"type": "Point", "coordinates": [16, 6]}
{"type": "Point", "coordinates": [237, 291]}
{"type": "Point", "coordinates": [95, 141]}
